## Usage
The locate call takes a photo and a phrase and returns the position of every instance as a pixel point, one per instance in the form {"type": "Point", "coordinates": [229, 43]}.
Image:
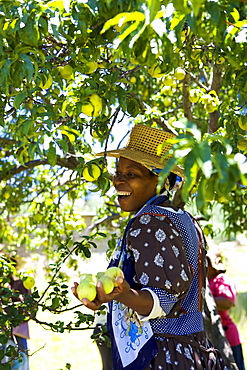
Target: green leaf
{"type": "Point", "coordinates": [104, 184]}
{"type": "Point", "coordinates": [182, 6]}
{"type": "Point", "coordinates": [28, 66]}
{"type": "Point", "coordinates": [200, 198]}
{"type": "Point", "coordinates": [221, 163]}
{"type": "Point", "coordinates": [121, 94]}
{"type": "Point", "coordinates": [189, 162]}
{"type": "Point", "coordinates": [2, 354]}
{"type": "Point", "coordinates": [55, 302]}
{"type": "Point", "coordinates": [19, 99]}
{"type": "Point", "coordinates": [197, 6]}
{"type": "Point", "coordinates": [210, 188]}
{"type": "Point", "coordinates": [133, 107]}
{"type": "Point", "coordinates": [69, 135]}
{"type": "Point", "coordinates": [56, 4]}
{"type": "Point", "coordinates": [26, 126]}
{"type": "Point", "coordinates": [176, 20]}
{"type": "Point", "coordinates": [69, 129]}
{"type": "Point", "coordinates": [154, 7]}
{"type": "Point", "coordinates": [94, 245]}
{"type": "Point", "coordinates": [169, 165]}
{"type": "Point", "coordinates": [203, 155]}
{"type": "Point", "coordinates": [126, 33]}
{"type": "Point", "coordinates": [43, 23]}
{"type": "Point", "coordinates": [86, 251]}
{"type": "Point", "coordinates": [31, 150]}
{"type": "Point", "coordinates": [214, 10]}
{"type": "Point", "coordinates": [30, 33]}
{"type": "Point", "coordinates": [51, 155]}
{"type": "Point", "coordinates": [122, 18]}
{"type": "Point", "coordinates": [63, 144]}
{"type": "Point", "coordinates": [235, 15]}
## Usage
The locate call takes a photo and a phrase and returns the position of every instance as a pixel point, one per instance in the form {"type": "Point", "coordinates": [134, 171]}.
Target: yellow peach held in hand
{"type": "Point", "coordinates": [89, 277]}
{"type": "Point", "coordinates": [114, 272]}
{"type": "Point", "coordinates": [107, 283]}
{"type": "Point", "coordinates": [86, 289]}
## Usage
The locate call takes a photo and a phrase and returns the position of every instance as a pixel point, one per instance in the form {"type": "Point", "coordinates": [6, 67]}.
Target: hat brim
{"type": "Point", "coordinates": [146, 160]}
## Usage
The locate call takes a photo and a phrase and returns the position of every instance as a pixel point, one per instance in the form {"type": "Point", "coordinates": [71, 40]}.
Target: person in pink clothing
{"type": "Point", "coordinates": [224, 292]}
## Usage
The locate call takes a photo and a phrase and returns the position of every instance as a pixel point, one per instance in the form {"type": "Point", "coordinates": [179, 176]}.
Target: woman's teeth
{"type": "Point", "coordinates": [123, 193]}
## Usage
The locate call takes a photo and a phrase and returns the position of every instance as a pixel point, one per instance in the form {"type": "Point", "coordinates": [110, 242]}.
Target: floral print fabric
{"type": "Point", "coordinates": [168, 255]}
{"type": "Point", "coordinates": [175, 354]}
{"type": "Point", "coordinates": [159, 255]}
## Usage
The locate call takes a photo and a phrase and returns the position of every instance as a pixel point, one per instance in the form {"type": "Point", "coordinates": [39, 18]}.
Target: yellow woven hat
{"type": "Point", "coordinates": [143, 146]}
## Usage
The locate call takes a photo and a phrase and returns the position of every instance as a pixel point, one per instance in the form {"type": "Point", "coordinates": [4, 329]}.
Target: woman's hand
{"type": "Point", "coordinates": [101, 298]}
{"type": "Point", "coordinates": [223, 304]}
{"type": "Point", "coordinates": [140, 301]}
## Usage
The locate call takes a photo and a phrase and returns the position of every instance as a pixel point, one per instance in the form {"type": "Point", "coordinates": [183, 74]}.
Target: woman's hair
{"type": "Point", "coordinates": [171, 179]}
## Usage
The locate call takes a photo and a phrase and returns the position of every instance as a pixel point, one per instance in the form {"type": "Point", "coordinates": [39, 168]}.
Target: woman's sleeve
{"type": "Point", "coordinates": [160, 260]}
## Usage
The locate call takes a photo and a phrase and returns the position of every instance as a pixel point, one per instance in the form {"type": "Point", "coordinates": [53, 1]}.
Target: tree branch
{"type": "Point", "coordinates": [186, 101]}
{"type": "Point", "coordinates": [161, 122]}
{"type": "Point", "coordinates": [6, 141]}
{"type": "Point", "coordinates": [114, 116]}
{"type": "Point", "coordinates": [215, 85]}
{"type": "Point", "coordinates": [68, 327]}
{"type": "Point", "coordinates": [195, 79]}
{"type": "Point", "coordinates": [67, 163]}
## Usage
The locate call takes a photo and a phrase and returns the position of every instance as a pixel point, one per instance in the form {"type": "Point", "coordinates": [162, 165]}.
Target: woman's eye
{"type": "Point", "coordinates": [131, 174]}
{"type": "Point", "coordinates": [126, 175]}
{"type": "Point", "coordinates": [116, 174]}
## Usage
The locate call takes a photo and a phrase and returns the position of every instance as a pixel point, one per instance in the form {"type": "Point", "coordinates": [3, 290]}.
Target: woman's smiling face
{"type": "Point", "coordinates": [134, 183]}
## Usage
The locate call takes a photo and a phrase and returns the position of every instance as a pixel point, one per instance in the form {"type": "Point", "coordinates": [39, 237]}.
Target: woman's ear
{"type": "Point", "coordinates": [156, 183]}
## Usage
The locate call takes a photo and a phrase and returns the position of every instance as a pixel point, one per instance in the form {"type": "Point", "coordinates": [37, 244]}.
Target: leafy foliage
{"type": "Point", "coordinates": [70, 71]}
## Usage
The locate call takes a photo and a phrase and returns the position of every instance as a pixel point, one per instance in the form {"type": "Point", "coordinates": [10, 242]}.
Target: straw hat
{"type": "Point", "coordinates": [142, 147]}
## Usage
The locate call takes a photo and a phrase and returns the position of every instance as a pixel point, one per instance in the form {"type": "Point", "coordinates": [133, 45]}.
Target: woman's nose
{"type": "Point", "coordinates": [118, 178]}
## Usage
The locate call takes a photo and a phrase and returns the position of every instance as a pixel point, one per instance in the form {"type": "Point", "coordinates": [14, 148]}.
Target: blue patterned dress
{"type": "Point", "coordinates": [163, 251]}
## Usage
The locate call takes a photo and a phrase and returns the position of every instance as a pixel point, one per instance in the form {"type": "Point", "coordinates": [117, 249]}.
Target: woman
{"type": "Point", "coordinates": [224, 292]}
{"type": "Point", "coordinates": [155, 314]}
